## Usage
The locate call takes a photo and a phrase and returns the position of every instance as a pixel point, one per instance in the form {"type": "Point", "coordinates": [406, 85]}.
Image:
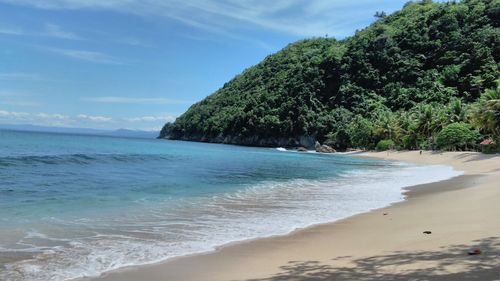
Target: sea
{"type": "Point", "coordinates": [78, 205]}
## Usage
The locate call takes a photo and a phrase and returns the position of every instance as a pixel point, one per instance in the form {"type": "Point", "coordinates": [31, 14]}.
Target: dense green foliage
{"type": "Point", "coordinates": [457, 136]}
{"type": "Point", "coordinates": [385, 145]}
{"type": "Point", "coordinates": [486, 112]}
{"type": "Point", "coordinates": [404, 78]}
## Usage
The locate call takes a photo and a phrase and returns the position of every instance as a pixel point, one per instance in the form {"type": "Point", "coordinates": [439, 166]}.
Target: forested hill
{"type": "Point", "coordinates": [429, 60]}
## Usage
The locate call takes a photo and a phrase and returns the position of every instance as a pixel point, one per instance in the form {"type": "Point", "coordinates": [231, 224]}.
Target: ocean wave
{"type": "Point", "coordinates": [159, 232]}
{"type": "Point", "coordinates": [78, 159]}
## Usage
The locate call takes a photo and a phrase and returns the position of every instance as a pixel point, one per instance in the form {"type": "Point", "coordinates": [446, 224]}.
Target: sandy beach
{"type": "Point", "coordinates": [462, 213]}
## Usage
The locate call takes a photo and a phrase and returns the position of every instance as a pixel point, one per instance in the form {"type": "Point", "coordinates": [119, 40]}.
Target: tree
{"type": "Point", "coordinates": [430, 119]}
{"type": "Point", "coordinates": [456, 111]}
{"type": "Point", "coordinates": [386, 125]}
{"type": "Point", "coordinates": [457, 136]}
{"type": "Point", "coordinates": [360, 132]}
{"type": "Point", "coordinates": [339, 139]}
{"type": "Point", "coordinates": [385, 145]}
{"type": "Point", "coordinates": [410, 138]}
{"type": "Point", "coordinates": [166, 129]}
{"type": "Point", "coordinates": [486, 113]}
{"type": "Point", "coordinates": [380, 14]}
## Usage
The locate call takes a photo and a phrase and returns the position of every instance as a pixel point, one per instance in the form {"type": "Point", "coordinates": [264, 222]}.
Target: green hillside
{"type": "Point", "coordinates": [402, 79]}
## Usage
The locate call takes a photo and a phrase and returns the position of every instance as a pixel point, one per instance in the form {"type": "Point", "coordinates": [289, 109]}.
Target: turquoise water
{"type": "Point", "coordinates": [74, 205]}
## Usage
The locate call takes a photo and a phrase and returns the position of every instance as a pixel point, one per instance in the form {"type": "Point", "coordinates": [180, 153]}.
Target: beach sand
{"type": "Point", "coordinates": [462, 213]}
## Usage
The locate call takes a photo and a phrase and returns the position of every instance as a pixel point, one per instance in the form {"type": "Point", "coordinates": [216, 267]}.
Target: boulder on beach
{"type": "Point", "coordinates": [323, 148]}
{"type": "Point", "coordinates": [302, 149]}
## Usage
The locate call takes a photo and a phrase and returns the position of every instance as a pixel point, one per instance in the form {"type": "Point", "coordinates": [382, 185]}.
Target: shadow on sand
{"type": "Point", "coordinates": [449, 263]}
{"type": "Point", "coordinates": [471, 156]}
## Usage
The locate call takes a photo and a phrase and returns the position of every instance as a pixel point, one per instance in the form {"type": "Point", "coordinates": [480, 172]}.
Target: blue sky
{"type": "Point", "coordinates": [138, 63]}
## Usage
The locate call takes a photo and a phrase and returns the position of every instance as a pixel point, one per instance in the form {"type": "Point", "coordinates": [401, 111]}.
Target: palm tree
{"type": "Point", "coordinates": [386, 125]}
{"type": "Point", "coordinates": [456, 111]}
{"type": "Point", "coordinates": [425, 120]}
{"type": "Point", "coordinates": [429, 119]}
{"type": "Point", "coordinates": [486, 112]}
{"type": "Point", "coordinates": [408, 124]}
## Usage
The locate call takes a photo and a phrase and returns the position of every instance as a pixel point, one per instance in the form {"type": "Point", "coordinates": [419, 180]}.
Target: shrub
{"type": "Point", "coordinates": [457, 136]}
{"type": "Point", "coordinates": [490, 149]}
{"type": "Point", "coordinates": [360, 132]}
{"type": "Point", "coordinates": [427, 144]}
{"type": "Point", "coordinates": [385, 145]}
{"type": "Point", "coordinates": [339, 140]}
{"type": "Point", "coordinates": [492, 146]}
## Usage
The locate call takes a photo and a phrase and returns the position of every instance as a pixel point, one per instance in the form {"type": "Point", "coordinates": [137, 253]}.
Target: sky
{"type": "Point", "coordinates": [136, 64]}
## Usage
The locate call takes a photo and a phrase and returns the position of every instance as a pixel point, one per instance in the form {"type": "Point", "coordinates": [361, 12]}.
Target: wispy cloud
{"type": "Point", "coordinates": [89, 56]}
{"type": "Point", "coordinates": [162, 118]}
{"type": "Point", "coordinates": [52, 119]}
{"type": "Point", "coordinates": [53, 30]}
{"type": "Point", "coordinates": [150, 122]}
{"type": "Point", "coordinates": [94, 118]}
{"type": "Point", "coordinates": [130, 100]}
{"type": "Point", "coordinates": [11, 31]}
{"type": "Point", "coordinates": [41, 118]}
{"type": "Point", "coordinates": [49, 30]}
{"type": "Point", "coordinates": [297, 17]}
{"type": "Point", "coordinates": [55, 116]}
{"type": "Point", "coordinates": [20, 76]}
{"type": "Point", "coordinates": [17, 99]}
{"type": "Point", "coordinates": [30, 77]}
{"type": "Point", "coordinates": [13, 114]}
{"type": "Point", "coordinates": [134, 42]}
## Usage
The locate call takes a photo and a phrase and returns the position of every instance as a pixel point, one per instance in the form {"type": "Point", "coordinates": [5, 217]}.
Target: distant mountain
{"type": "Point", "coordinates": [83, 131]}
{"type": "Point", "coordinates": [403, 79]}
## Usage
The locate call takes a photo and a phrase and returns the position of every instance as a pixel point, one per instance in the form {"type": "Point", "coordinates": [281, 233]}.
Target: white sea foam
{"type": "Point", "coordinates": [266, 209]}
{"type": "Point", "coordinates": [33, 233]}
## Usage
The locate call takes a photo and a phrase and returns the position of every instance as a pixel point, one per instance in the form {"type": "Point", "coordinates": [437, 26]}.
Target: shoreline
{"type": "Point", "coordinates": [230, 261]}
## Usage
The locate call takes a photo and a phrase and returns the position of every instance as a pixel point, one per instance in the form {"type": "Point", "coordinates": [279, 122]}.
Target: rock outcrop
{"type": "Point", "coordinates": [323, 148]}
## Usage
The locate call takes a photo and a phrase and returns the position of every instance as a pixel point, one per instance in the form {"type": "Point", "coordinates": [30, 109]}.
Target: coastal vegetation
{"type": "Point", "coordinates": [425, 77]}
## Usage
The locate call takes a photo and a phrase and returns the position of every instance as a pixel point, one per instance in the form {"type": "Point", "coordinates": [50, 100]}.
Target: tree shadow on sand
{"type": "Point", "coordinates": [469, 156]}
{"type": "Point", "coordinates": [447, 263]}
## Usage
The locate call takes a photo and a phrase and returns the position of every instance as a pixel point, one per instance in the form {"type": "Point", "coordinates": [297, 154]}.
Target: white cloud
{"type": "Point", "coordinates": [94, 118]}
{"type": "Point", "coordinates": [53, 30]}
{"type": "Point", "coordinates": [149, 122]}
{"type": "Point", "coordinates": [49, 30]}
{"type": "Point", "coordinates": [129, 100]}
{"type": "Point", "coordinates": [164, 119]}
{"type": "Point", "coordinates": [51, 119]}
{"type": "Point", "coordinates": [13, 115]}
{"type": "Point", "coordinates": [90, 56]}
{"type": "Point", "coordinates": [11, 31]}
{"type": "Point", "coordinates": [297, 17]}
{"type": "Point", "coordinates": [55, 116]}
